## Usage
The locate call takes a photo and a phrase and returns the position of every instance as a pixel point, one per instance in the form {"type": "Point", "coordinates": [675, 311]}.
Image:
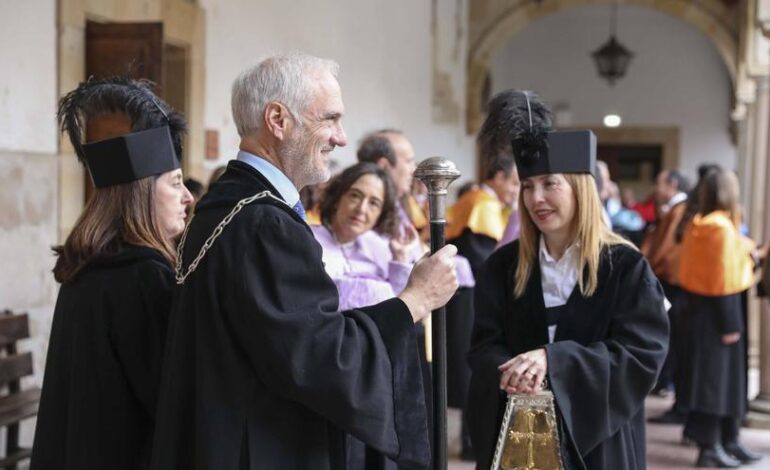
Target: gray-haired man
{"type": "Point", "coordinates": [261, 370]}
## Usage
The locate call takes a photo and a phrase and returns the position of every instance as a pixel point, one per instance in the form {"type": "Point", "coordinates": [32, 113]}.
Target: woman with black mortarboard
{"type": "Point", "coordinates": [116, 273]}
{"type": "Point", "coordinates": [569, 302]}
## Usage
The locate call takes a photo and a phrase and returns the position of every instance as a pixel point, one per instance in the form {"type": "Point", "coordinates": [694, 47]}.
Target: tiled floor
{"type": "Point", "coordinates": [664, 451]}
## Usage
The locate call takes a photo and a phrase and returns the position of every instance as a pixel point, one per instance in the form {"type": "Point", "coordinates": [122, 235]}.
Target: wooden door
{"type": "Point", "coordinates": [132, 49]}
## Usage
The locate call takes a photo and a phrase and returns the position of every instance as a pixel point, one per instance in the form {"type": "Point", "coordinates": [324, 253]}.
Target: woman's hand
{"type": "Point", "coordinates": [524, 373]}
{"type": "Point", "coordinates": [402, 243]}
{"type": "Point", "coordinates": [730, 338]}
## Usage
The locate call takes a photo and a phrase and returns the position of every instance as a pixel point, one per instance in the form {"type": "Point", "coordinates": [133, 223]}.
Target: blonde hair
{"type": "Point", "coordinates": [588, 229]}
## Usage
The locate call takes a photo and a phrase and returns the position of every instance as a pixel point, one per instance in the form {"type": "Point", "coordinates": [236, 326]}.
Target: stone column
{"type": "Point", "coordinates": [759, 408]}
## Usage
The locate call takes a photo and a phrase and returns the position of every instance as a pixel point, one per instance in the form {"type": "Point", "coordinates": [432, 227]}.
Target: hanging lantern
{"type": "Point", "coordinates": [612, 58]}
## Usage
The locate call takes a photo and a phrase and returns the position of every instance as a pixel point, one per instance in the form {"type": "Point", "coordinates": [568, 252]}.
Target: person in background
{"type": "Point", "coordinates": [622, 220]}
{"type": "Point", "coordinates": [662, 251]}
{"type": "Point", "coordinates": [716, 266]}
{"type": "Point", "coordinates": [465, 187]}
{"type": "Point", "coordinates": [647, 208]}
{"type": "Point", "coordinates": [357, 206]}
{"type": "Point", "coordinates": [391, 150]}
{"type": "Point", "coordinates": [691, 208]}
{"type": "Point", "coordinates": [100, 387]}
{"type": "Point", "coordinates": [479, 218]}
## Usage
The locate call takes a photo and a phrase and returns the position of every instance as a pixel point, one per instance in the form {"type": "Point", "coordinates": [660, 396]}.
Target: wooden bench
{"type": "Point", "coordinates": [16, 405]}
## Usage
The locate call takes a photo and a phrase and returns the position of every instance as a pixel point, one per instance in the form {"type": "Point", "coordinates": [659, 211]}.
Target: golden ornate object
{"type": "Point", "coordinates": [529, 436]}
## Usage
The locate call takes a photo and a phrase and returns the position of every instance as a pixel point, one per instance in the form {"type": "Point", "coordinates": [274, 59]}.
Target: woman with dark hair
{"type": "Point", "coordinates": [357, 207]}
{"type": "Point", "coordinates": [569, 305]}
{"type": "Point", "coordinates": [715, 268]}
{"type": "Point", "coordinates": [116, 273]}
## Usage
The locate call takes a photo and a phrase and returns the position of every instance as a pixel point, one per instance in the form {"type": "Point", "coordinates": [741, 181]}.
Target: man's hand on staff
{"type": "Point", "coordinates": [431, 284]}
{"type": "Point", "coordinates": [524, 373]}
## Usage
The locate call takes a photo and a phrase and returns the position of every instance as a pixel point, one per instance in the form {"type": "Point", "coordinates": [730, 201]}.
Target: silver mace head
{"type": "Point", "coordinates": [437, 173]}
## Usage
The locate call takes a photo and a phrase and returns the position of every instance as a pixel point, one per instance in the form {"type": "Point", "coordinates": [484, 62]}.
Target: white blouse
{"type": "Point", "coordinates": [558, 278]}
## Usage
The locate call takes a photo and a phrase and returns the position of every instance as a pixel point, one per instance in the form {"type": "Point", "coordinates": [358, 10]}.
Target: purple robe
{"type": "Point", "coordinates": [462, 266]}
{"type": "Point", "coordinates": [363, 270]}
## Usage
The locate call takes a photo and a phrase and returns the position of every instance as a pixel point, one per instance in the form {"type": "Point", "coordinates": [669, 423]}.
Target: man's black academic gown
{"type": "Point", "coordinates": [604, 360]}
{"type": "Point", "coordinates": [262, 371]}
{"type": "Point", "coordinates": [103, 367]}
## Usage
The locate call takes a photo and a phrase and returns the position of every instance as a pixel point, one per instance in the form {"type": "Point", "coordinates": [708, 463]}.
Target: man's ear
{"type": "Point", "coordinates": [277, 119]}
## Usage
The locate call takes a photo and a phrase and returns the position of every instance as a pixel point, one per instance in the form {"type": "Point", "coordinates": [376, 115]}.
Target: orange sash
{"type": "Point", "coordinates": [715, 259]}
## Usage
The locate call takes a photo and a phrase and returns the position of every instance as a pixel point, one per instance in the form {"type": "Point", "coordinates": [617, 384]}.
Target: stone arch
{"type": "Point", "coordinates": [493, 25]}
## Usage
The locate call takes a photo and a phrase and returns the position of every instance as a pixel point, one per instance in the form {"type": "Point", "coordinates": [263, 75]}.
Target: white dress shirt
{"type": "Point", "coordinates": [280, 181]}
{"type": "Point", "coordinates": [558, 278]}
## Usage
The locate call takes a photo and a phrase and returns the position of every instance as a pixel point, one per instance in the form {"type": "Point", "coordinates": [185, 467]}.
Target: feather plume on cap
{"type": "Point", "coordinates": [517, 122]}
{"type": "Point", "coordinates": [134, 98]}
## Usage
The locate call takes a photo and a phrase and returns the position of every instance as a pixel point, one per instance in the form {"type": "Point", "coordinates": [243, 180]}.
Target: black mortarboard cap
{"type": "Point", "coordinates": [131, 157]}
{"type": "Point", "coordinates": [559, 152]}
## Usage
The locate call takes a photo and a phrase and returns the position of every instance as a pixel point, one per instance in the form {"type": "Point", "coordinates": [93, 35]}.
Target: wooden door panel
{"type": "Point", "coordinates": [133, 49]}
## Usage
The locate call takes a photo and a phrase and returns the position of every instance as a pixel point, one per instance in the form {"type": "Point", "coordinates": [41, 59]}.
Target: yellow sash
{"type": "Point", "coordinates": [479, 211]}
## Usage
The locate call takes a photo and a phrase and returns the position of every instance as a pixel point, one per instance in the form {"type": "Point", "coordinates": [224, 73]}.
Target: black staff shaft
{"type": "Point", "coordinates": [438, 322]}
{"type": "Point", "coordinates": [437, 174]}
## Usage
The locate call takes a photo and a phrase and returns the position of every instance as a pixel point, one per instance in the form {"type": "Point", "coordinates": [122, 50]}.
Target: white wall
{"type": "Point", "coordinates": [28, 160]}
{"type": "Point", "coordinates": [675, 79]}
{"type": "Point", "coordinates": [28, 81]}
{"type": "Point", "coordinates": [28, 170]}
{"type": "Point", "coordinates": [384, 51]}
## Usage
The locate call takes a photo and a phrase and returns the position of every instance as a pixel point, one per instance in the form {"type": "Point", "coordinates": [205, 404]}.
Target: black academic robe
{"type": "Point", "coordinates": [712, 376]}
{"type": "Point", "coordinates": [604, 360]}
{"type": "Point", "coordinates": [262, 371]}
{"type": "Point", "coordinates": [476, 248]}
{"type": "Point", "coordinates": [103, 367]}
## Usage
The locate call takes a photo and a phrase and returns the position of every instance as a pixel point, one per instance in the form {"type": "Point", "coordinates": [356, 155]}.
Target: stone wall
{"type": "Point", "coordinates": [28, 166]}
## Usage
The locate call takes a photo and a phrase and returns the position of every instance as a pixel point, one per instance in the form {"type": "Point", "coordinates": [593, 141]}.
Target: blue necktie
{"type": "Point", "coordinates": [300, 210]}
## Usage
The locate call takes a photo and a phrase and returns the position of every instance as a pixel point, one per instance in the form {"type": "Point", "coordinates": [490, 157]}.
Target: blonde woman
{"type": "Point", "coordinates": [569, 302]}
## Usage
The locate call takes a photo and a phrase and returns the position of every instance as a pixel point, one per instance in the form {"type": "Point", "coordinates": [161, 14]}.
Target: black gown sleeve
{"type": "Point", "coordinates": [486, 402]}
{"type": "Point", "coordinates": [359, 369]}
{"type": "Point", "coordinates": [138, 325]}
{"type": "Point", "coordinates": [600, 386]}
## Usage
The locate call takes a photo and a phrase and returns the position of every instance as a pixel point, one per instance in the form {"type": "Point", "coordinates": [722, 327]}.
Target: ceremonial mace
{"type": "Point", "coordinates": [437, 173]}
